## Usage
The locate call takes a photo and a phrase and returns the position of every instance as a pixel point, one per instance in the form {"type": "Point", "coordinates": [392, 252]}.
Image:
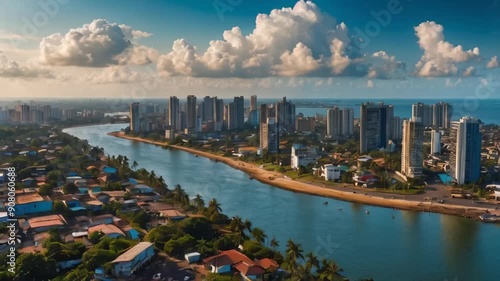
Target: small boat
{"type": "Point", "coordinates": [340, 209]}
{"type": "Point", "coordinates": [489, 218]}
{"type": "Point", "coordinates": [367, 212]}
{"type": "Point", "coordinates": [325, 203]}
{"type": "Point", "coordinates": [195, 155]}
{"type": "Point", "coordinates": [250, 178]}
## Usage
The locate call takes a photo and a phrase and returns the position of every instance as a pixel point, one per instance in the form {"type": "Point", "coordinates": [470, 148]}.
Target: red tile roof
{"type": "Point", "coordinates": [268, 263]}
{"type": "Point", "coordinates": [241, 262]}
{"type": "Point", "coordinates": [249, 269]}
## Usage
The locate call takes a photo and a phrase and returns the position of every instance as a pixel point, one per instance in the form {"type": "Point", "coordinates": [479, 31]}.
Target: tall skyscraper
{"type": "Point", "coordinates": [24, 112]}
{"type": "Point", "coordinates": [135, 117]}
{"type": "Point", "coordinates": [218, 114]}
{"type": "Point", "coordinates": [269, 135]}
{"type": "Point", "coordinates": [253, 102]}
{"type": "Point", "coordinates": [422, 111]}
{"type": "Point", "coordinates": [47, 113]}
{"type": "Point", "coordinates": [285, 115]}
{"type": "Point", "coordinates": [412, 150]}
{"type": "Point", "coordinates": [441, 115]}
{"type": "Point", "coordinates": [435, 142]}
{"type": "Point", "coordinates": [397, 128]}
{"type": "Point", "coordinates": [339, 122]}
{"type": "Point", "coordinates": [208, 109]}
{"type": "Point", "coordinates": [376, 122]}
{"type": "Point", "coordinates": [191, 112]}
{"type": "Point", "coordinates": [236, 113]}
{"type": "Point", "coordinates": [465, 158]}
{"type": "Point", "coordinates": [173, 113]}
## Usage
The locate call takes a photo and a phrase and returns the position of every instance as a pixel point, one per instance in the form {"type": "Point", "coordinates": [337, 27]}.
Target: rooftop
{"type": "Point", "coordinates": [106, 229]}
{"type": "Point", "coordinates": [27, 198]}
{"type": "Point", "coordinates": [47, 221]}
{"type": "Point", "coordinates": [133, 252]}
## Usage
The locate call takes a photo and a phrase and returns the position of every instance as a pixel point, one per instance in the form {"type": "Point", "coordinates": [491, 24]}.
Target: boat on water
{"type": "Point", "coordinates": [367, 212]}
{"type": "Point", "coordinates": [489, 218]}
{"type": "Point", "coordinates": [325, 203]}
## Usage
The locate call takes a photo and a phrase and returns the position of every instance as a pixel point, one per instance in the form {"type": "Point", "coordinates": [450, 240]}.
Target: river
{"type": "Point", "coordinates": [386, 244]}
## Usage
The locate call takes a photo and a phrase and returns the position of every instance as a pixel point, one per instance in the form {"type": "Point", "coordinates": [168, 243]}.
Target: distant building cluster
{"type": "Point", "coordinates": [23, 113]}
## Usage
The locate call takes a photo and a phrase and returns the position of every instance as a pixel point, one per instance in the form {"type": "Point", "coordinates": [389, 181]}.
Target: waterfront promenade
{"type": "Point", "coordinates": [461, 208]}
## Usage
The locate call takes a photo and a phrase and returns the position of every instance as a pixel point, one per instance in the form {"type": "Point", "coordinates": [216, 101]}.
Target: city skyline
{"type": "Point", "coordinates": [330, 51]}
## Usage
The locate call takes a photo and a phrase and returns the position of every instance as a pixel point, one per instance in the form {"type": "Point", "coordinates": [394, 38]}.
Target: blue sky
{"type": "Point", "coordinates": [39, 63]}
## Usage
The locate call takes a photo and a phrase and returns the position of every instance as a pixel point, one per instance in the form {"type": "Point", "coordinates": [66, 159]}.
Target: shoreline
{"type": "Point", "coordinates": [276, 179]}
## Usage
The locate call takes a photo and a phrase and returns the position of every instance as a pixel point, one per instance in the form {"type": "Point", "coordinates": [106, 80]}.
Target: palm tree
{"type": "Point", "coordinates": [248, 225]}
{"type": "Point", "coordinates": [134, 165]}
{"type": "Point", "coordinates": [238, 227]}
{"type": "Point", "coordinates": [152, 178]}
{"type": "Point", "coordinates": [259, 235]}
{"type": "Point", "coordinates": [180, 195]}
{"type": "Point", "coordinates": [214, 209]}
{"type": "Point", "coordinates": [311, 262]}
{"type": "Point", "coordinates": [274, 243]}
{"type": "Point", "coordinates": [204, 247]}
{"type": "Point", "coordinates": [329, 271]}
{"type": "Point", "coordinates": [199, 203]}
{"type": "Point", "coordinates": [293, 254]}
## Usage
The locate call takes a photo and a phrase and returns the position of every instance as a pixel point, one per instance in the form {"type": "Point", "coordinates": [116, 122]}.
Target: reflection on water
{"type": "Point", "coordinates": [459, 237]}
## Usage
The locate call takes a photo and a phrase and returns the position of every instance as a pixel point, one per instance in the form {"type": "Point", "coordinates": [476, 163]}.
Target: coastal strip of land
{"type": "Point", "coordinates": [278, 180]}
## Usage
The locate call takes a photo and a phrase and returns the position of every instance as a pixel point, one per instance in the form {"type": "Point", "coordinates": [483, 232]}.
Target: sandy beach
{"type": "Point", "coordinates": [278, 180]}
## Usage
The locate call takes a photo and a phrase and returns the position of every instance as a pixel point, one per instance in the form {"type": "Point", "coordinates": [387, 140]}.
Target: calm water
{"type": "Point", "coordinates": [412, 246]}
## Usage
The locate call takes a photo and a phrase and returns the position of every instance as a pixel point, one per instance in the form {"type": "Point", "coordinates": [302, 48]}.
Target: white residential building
{"type": "Point", "coordinates": [331, 172]}
{"type": "Point", "coordinates": [303, 156]}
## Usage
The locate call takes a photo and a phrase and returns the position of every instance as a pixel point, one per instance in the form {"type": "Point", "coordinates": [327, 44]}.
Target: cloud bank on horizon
{"type": "Point", "coordinates": [299, 41]}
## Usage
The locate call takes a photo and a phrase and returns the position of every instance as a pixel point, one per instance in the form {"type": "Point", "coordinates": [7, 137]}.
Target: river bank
{"type": "Point", "coordinates": [278, 180]}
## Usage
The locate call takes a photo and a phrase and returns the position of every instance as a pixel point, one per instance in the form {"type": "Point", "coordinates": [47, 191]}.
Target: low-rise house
{"type": "Point", "coordinates": [303, 156]}
{"type": "Point", "coordinates": [172, 214]}
{"type": "Point", "coordinates": [108, 230]}
{"type": "Point", "coordinates": [331, 172]}
{"type": "Point", "coordinates": [32, 203]}
{"type": "Point", "coordinates": [44, 223]}
{"type": "Point", "coordinates": [102, 219]}
{"type": "Point", "coordinates": [133, 259]}
{"type": "Point", "coordinates": [233, 261]}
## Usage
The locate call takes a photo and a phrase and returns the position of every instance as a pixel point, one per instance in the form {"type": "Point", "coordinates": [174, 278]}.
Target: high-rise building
{"type": "Point", "coordinates": [435, 142]}
{"type": "Point", "coordinates": [173, 113]}
{"type": "Point", "coordinates": [397, 128]}
{"type": "Point", "coordinates": [412, 151]}
{"type": "Point", "coordinates": [339, 122]}
{"type": "Point", "coordinates": [135, 117]}
{"type": "Point", "coordinates": [441, 115]}
{"type": "Point", "coordinates": [376, 122]}
{"type": "Point", "coordinates": [305, 124]}
{"type": "Point", "coordinates": [465, 158]}
{"type": "Point", "coordinates": [422, 111]}
{"type": "Point", "coordinates": [253, 102]}
{"type": "Point", "coordinates": [269, 135]}
{"type": "Point", "coordinates": [24, 112]}
{"type": "Point", "coordinates": [47, 113]}
{"type": "Point", "coordinates": [285, 115]}
{"type": "Point", "coordinates": [208, 109]}
{"type": "Point", "coordinates": [191, 112]}
{"type": "Point", "coordinates": [236, 113]}
{"type": "Point", "coordinates": [218, 114]}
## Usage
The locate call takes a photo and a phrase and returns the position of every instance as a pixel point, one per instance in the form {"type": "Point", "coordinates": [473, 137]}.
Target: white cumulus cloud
{"type": "Point", "coordinates": [98, 44]}
{"type": "Point", "coordinates": [12, 69]}
{"type": "Point", "coordinates": [296, 41]}
{"type": "Point", "coordinates": [493, 63]}
{"type": "Point", "coordinates": [440, 58]}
